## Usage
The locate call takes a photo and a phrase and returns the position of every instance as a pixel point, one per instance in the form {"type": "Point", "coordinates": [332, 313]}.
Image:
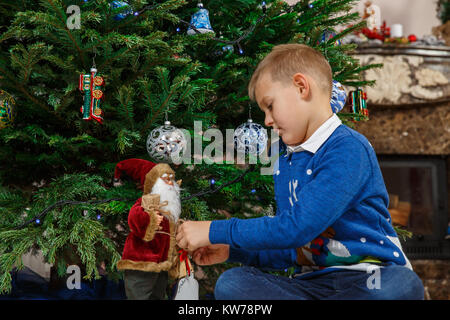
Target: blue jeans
{"type": "Point", "coordinates": [250, 283]}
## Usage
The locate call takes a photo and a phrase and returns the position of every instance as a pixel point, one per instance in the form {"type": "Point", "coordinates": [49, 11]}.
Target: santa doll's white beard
{"type": "Point", "coordinates": [171, 194]}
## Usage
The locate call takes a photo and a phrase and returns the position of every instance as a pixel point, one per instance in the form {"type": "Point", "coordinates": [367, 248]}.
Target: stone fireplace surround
{"type": "Point", "coordinates": [410, 115]}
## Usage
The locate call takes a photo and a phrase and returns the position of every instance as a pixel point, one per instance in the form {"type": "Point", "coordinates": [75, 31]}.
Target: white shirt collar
{"type": "Point", "coordinates": [318, 137]}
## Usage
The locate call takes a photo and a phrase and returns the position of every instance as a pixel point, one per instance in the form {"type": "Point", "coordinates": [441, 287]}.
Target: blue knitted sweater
{"type": "Point", "coordinates": [331, 212]}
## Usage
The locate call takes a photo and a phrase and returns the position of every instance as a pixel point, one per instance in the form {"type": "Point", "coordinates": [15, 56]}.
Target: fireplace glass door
{"type": "Point", "coordinates": [417, 188]}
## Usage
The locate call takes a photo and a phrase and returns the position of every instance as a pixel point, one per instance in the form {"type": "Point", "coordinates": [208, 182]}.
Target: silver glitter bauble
{"type": "Point", "coordinates": [250, 138]}
{"type": "Point", "coordinates": [166, 143]}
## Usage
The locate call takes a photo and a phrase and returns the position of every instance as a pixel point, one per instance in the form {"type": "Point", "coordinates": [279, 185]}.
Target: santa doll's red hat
{"type": "Point", "coordinates": [135, 168]}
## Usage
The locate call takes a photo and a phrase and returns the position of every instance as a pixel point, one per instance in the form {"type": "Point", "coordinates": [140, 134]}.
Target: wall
{"type": "Point", "coordinates": [416, 16]}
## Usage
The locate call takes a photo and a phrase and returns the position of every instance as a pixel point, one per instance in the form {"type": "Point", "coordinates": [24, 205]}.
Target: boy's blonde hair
{"type": "Point", "coordinates": [285, 60]}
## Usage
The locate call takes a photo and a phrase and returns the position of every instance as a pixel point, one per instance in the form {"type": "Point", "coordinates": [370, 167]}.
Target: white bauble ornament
{"type": "Point", "coordinates": [250, 138]}
{"type": "Point", "coordinates": [166, 143]}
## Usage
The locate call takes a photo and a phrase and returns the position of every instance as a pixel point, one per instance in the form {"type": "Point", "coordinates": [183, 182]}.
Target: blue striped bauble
{"type": "Point", "coordinates": [338, 97]}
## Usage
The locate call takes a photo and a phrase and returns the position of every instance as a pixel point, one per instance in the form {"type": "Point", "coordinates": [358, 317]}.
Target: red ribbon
{"type": "Point", "coordinates": [184, 257]}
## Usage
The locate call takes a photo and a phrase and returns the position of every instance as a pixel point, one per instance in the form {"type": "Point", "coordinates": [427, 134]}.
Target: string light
{"type": "Point", "coordinates": [71, 202]}
{"type": "Point", "coordinates": [240, 48]}
{"type": "Point", "coordinates": [232, 43]}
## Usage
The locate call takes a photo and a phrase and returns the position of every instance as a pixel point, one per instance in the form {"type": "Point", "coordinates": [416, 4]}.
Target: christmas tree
{"type": "Point", "coordinates": [443, 8]}
{"type": "Point", "coordinates": [56, 167]}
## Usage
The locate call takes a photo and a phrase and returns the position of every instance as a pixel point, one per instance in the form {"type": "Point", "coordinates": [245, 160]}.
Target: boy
{"type": "Point", "coordinates": [332, 221]}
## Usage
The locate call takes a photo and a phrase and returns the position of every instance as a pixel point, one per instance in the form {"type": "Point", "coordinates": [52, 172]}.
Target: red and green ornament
{"type": "Point", "coordinates": [7, 104]}
{"type": "Point", "coordinates": [91, 85]}
{"type": "Point", "coordinates": [328, 35]}
{"type": "Point", "coordinates": [358, 100]}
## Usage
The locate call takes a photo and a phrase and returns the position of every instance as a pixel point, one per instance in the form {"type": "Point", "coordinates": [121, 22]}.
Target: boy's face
{"type": "Point", "coordinates": [285, 106]}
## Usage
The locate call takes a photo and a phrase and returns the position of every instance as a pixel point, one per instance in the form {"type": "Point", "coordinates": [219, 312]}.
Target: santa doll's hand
{"type": "Point", "coordinates": [159, 219]}
{"type": "Point", "coordinates": [192, 235]}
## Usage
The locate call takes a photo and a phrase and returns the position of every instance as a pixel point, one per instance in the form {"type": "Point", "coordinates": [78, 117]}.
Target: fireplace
{"type": "Point", "coordinates": [409, 129]}
{"type": "Point", "coordinates": [417, 187]}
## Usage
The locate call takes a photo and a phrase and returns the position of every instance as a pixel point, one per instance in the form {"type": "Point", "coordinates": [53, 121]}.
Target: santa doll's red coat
{"type": "Point", "coordinates": [146, 248]}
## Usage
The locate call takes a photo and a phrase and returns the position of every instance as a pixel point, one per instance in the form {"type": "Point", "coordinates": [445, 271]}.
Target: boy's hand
{"type": "Point", "coordinates": [192, 235]}
{"type": "Point", "coordinates": [213, 254]}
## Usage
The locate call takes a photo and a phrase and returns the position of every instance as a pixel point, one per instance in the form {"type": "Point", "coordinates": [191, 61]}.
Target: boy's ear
{"type": "Point", "coordinates": [302, 83]}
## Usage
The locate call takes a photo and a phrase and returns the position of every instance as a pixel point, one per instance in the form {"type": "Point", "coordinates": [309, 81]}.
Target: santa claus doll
{"type": "Point", "coordinates": [150, 255]}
